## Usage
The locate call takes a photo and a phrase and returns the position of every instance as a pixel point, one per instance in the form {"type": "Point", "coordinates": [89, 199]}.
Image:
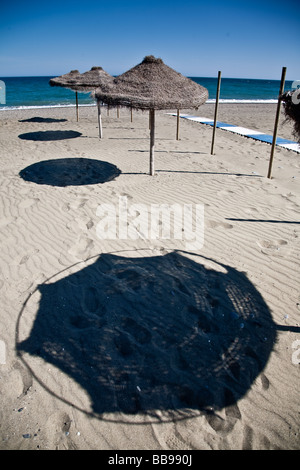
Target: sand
{"type": "Point", "coordinates": [123, 343]}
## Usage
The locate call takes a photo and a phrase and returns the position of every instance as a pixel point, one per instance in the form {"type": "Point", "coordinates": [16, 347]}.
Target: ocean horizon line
{"type": "Point", "coordinates": [35, 92]}
{"type": "Point", "coordinates": [214, 77]}
{"type": "Point", "coordinates": [209, 101]}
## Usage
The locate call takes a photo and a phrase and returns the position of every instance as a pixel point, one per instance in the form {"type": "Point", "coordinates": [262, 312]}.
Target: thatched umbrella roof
{"type": "Point", "coordinates": [291, 106]}
{"type": "Point", "coordinates": [66, 80]}
{"type": "Point", "coordinates": [152, 85]}
{"type": "Point", "coordinates": [84, 82]}
{"type": "Point", "coordinates": [92, 79]}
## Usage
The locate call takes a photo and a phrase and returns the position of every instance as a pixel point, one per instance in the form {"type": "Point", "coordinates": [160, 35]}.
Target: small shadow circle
{"type": "Point", "coordinates": [49, 135]}
{"type": "Point", "coordinates": [70, 172]}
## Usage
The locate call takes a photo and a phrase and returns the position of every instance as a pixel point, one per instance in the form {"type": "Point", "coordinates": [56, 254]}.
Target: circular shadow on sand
{"type": "Point", "coordinates": [70, 172]}
{"type": "Point", "coordinates": [49, 135]}
{"type": "Point", "coordinates": [41, 119]}
{"type": "Point", "coordinates": [163, 336]}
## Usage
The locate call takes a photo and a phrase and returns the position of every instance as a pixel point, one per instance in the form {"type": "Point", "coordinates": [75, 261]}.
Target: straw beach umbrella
{"type": "Point", "coordinates": [67, 81]}
{"type": "Point", "coordinates": [97, 77]}
{"type": "Point", "coordinates": [92, 79]}
{"type": "Point", "coordinates": [84, 82]}
{"type": "Point", "coordinates": [152, 85]}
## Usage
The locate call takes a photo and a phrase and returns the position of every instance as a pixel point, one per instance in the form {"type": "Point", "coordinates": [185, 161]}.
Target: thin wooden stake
{"type": "Point", "coordinates": [108, 110]}
{"type": "Point", "coordinates": [216, 113]}
{"type": "Point", "coordinates": [276, 121]}
{"type": "Point", "coordinates": [77, 105]}
{"type": "Point", "coordinates": [131, 114]}
{"type": "Point", "coordinates": [152, 140]}
{"type": "Point", "coordinates": [118, 111]}
{"type": "Point", "coordinates": [177, 130]}
{"type": "Point", "coordinates": [99, 120]}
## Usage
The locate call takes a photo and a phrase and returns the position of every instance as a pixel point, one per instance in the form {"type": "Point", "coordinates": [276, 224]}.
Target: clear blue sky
{"type": "Point", "coordinates": [247, 39]}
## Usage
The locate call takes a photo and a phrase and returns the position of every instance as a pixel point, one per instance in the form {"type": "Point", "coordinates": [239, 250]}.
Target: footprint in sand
{"type": "Point", "coordinates": [248, 434]}
{"type": "Point", "coordinates": [123, 343]}
{"type": "Point", "coordinates": [82, 249]}
{"type": "Point", "coordinates": [138, 332]}
{"type": "Point", "coordinates": [128, 196]}
{"type": "Point", "coordinates": [7, 221]}
{"type": "Point", "coordinates": [25, 258]}
{"type": "Point", "coordinates": [18, 381]}
{"type": "Point", "coordinates": [251, 210]}
{"type": "Point", "coordinates": [225, 192]}
{"type": "Point", "coordinates": [28, 203]}
{"type": "Point", "coordinates": [265, 383]}
{"type": "Point", "coordinates": [91, 300]}
{"type": "Point", "coordinates": [65, 207]}
{"type": "Point", "coordinates": [271, 245]}
{"type": "Point", "coordinates": [58, 430]}
{"type": "Point", "coordinates": [215, 224]}
{"type": "Point", "coordinates": [78, 224]}
{"type": "Point", "coordinates": [90, 224]}
{"type": "Point", "coordinates": [224, 425]}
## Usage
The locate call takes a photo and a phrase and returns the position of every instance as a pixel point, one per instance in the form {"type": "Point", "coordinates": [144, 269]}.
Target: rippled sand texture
{"type": "Point", "coordinates": [145, 343]}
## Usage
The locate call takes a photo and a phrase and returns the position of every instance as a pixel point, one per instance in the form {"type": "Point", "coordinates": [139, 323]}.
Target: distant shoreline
{"type": "Point", "coordinates": [36, 93]}
{"type": "Point", "coordinates": [209, 101]}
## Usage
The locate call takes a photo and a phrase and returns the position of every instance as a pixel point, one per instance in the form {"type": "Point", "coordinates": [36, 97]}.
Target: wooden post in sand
{"type": "Point", "coordinates": [276, 121]}
{"type": "Point", "coordinates": [216, 113]}
{"type": "Point", "coordinates": [118, 112]}
{"type": "Point", "coordinates": [177, 130]}
{"type": "Point", "coordinates": [131, 114]}
{"type": "Point", "coordinates": [152, 139]}
{"type": "Point", "coordinates": [77, 105]}
{"type": "Point", "coordinates": [99, 120]}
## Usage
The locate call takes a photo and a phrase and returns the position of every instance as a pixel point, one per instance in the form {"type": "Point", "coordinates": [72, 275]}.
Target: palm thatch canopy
{"type": "Point", "coordinates": [87, 81]}
{"type": "Point", "coordinates": [92, 79]}
{"type": "Point", "coordinates": [291, 106]}
{"type": "Point", "coordinates": [84, 82]}
{"type": "Point", "coordinates": [153, 85]}
{"type": "Point", "coordinates": [67, 80]}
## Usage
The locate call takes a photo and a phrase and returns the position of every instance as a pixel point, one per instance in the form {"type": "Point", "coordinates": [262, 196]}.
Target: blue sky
{"type": "Point", "coordinates": [247, 39]}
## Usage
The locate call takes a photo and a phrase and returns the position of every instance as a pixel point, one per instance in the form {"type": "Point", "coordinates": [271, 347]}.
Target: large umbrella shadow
{"type": "Point", "coordinates": [70, 172]}
{"type": "Point", "coordinates": [49, 135]}
{"type": "Point", "coordinates": [155, 333]}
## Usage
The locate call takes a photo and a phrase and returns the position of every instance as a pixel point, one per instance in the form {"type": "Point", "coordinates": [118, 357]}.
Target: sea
{"type": "Point", "coordinates": [35, 92]}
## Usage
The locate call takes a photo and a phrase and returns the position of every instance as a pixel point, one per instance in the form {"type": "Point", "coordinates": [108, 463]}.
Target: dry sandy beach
{"type": "Point", "coordinates": [122, 344]}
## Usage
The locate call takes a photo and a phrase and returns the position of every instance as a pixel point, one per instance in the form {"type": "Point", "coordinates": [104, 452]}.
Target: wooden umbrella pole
{"type": "Point", "coordinates": [276, 121]}
{"type": "Point", "coordinates": [99, 120]}
{"type": "Point", "coordinates": [152, 140]}
{"type": "Point", "coordinates": [216, 113]}
{"type": "Point", "coordinates": [177, 130]}
{"type": "Point", "coordinates": [118, 111]}
{"type": "Point", "coordinates": [131, 114]}
{"type": "Point", "coordinates": [77, 105]}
